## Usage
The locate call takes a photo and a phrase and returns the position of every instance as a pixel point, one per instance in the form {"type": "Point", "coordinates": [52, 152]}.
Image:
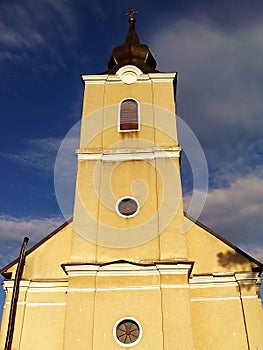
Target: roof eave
{"type": "Point", "coordinates": [231, 245]}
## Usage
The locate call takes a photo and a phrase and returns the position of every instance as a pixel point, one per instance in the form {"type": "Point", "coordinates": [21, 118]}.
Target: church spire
{"type": "Point", "coordinates": [132, 51]}
{"type": "Point", "coordinates": [132, 36]}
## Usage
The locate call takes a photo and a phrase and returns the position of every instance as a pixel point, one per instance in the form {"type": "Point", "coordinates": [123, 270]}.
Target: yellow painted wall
{"type": "Point", "coordinates": [221, 256]}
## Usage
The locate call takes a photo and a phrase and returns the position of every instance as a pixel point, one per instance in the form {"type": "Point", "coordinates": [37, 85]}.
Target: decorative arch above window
{"type": "Point", "coordinates": [129, 115]}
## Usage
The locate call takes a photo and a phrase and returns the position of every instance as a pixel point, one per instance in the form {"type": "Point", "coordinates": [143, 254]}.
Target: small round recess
{"type": "Point", "coordinates": [127, 332]}
{"type": "Point", "coordinates": [127, 207]}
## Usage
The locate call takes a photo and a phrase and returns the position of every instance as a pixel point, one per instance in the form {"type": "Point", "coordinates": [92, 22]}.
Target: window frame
{"type": "Point", "coordinates": [138, 115]}
{"type": "Point", "coordinates": [130, 215]}
{"type": "Point", "coordinates": [115, 329]}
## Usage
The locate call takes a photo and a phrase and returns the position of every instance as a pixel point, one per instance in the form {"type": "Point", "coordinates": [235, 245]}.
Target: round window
{"type": "Point", "coordinates": [127, 332]}
{"type": "Point", "coordinates": [127, 207]}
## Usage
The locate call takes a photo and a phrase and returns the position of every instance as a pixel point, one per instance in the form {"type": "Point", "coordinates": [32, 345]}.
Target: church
{"type": "Point", "coordinates": [131, 269]}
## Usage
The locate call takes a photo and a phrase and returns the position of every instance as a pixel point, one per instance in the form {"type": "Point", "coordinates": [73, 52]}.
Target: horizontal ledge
{"type": "Point", "coordinates": [127, 269]}
{"type": "Point", "coordinates": [209, 299]}
{"type": "Point", "coordinates": [31, 303]}
{"type": "Point", "coordinates": [221, 278]}
{"type": "Point", "coordinates": [118, 156]}
{"type": "Point", "coordinates": [113, 78]}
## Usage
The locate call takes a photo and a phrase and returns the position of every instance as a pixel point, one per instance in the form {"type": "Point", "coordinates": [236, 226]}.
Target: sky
{"type": "Point", "coordinates": [215, 46]}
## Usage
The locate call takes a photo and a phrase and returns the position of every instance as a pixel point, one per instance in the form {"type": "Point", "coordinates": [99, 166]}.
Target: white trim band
{"type": "Point", "coordinates": [223, 298]}
{"type": "Point", "coordinates": [115, 157]}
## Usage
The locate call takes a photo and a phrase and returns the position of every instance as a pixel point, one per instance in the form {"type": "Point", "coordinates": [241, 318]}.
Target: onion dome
{"type": "Point", "coordinates": [132, 52]}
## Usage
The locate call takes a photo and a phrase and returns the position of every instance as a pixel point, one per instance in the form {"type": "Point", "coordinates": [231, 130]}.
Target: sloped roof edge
{"type": "Point", "coordinates": [224, 240]}
{"type": "Point", "coordinates": [203, 226]}
{"type": "Point", "coordinates": [35, 246]}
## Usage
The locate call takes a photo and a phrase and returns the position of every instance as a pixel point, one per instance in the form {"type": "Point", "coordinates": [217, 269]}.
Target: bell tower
{"type": "Point", "coordinates": [128, 205]}
{"type": "Point", "coordinates": [128, 188]}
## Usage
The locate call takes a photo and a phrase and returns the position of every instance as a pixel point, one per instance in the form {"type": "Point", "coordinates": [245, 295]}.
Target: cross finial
{"type": "Point", "coordinates": [131, 15]}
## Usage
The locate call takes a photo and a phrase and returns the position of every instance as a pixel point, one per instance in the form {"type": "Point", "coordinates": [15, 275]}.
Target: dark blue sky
{"type": "Point", "coordinates": [217, 49]}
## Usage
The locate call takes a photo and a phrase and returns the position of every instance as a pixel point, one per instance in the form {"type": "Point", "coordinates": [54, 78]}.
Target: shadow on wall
{"type": "Point", "coordinates": [232, 259]}
{"type": "Point", "coordinates": [235, 262]}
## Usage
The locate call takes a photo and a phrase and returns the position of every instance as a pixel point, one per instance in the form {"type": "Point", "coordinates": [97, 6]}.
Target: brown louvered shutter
{"type": "Point", "coordinates": [129, 115]}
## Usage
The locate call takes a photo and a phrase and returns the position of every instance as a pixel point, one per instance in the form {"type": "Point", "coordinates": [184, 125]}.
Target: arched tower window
{"type": "Point", "coordinates": [129, 115]}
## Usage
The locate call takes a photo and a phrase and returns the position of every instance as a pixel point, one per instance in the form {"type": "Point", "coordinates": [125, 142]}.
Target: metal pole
{"type": "Point", "coordinates": [13, 307]}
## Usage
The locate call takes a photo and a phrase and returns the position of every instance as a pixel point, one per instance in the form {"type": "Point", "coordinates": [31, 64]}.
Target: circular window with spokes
{"type": "Point", "coordinates": [127, 207]}
{"type": "Point", "coordinates": [127, 332]}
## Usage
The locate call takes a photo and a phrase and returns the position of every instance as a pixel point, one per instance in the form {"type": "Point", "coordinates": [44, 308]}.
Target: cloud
{"type": "Point", "coordinates": [222, 68]}
{"type": "Point", "coordinates": [40, 155]}
{"type": "Point", "coordinates": [13, 39]}
{"type": "Point", "coordinates": [235, 212]}
{"type": "Point", "coordinates": [219, 90]}
{"type": "Point", "coordinates": [52, 158]}
{"type": "Point", "coordinates": [30, 27]}
{"type": "Point", "coordinates": [13, 230]}
{"type": "Point", "coordinates": [52, 155]}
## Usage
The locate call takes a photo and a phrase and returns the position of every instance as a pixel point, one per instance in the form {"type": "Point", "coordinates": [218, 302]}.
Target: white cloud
{"type": "Point", "coordinates": [236, 211]}
{"type": "Point", "coordinates": [220, 78]}
{"type": "Point", "coordinates": [52, 155]}
{"type": "Point", "coordinates": [32, 26]}
{"type": "Point", "coordinates": [14, 229]}
{"type": "Point", "coordinates": [41, 154]}
{"type": "Point", "coordinates": [219, 96]}
{"type": "Point", "coordinates": [23, 35]}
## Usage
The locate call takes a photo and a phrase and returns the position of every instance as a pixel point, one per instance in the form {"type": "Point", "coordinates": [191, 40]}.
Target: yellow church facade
{"type": "Point", "coordinates": [131, 269]}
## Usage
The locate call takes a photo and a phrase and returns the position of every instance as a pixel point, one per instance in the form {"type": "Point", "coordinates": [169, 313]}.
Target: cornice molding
{"type": "Point", "coordinates": [128, 269]}
{"type": "Point", "coordinates": [223, 279]}
{"type": "Point", "coordinates": [121, 155]}
{"type": "Point", "coordinates": [128, 74]}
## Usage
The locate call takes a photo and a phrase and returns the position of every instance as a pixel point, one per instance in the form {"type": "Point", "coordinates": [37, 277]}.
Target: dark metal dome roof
{"type": "Point", "coordinates": [132, 52]}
